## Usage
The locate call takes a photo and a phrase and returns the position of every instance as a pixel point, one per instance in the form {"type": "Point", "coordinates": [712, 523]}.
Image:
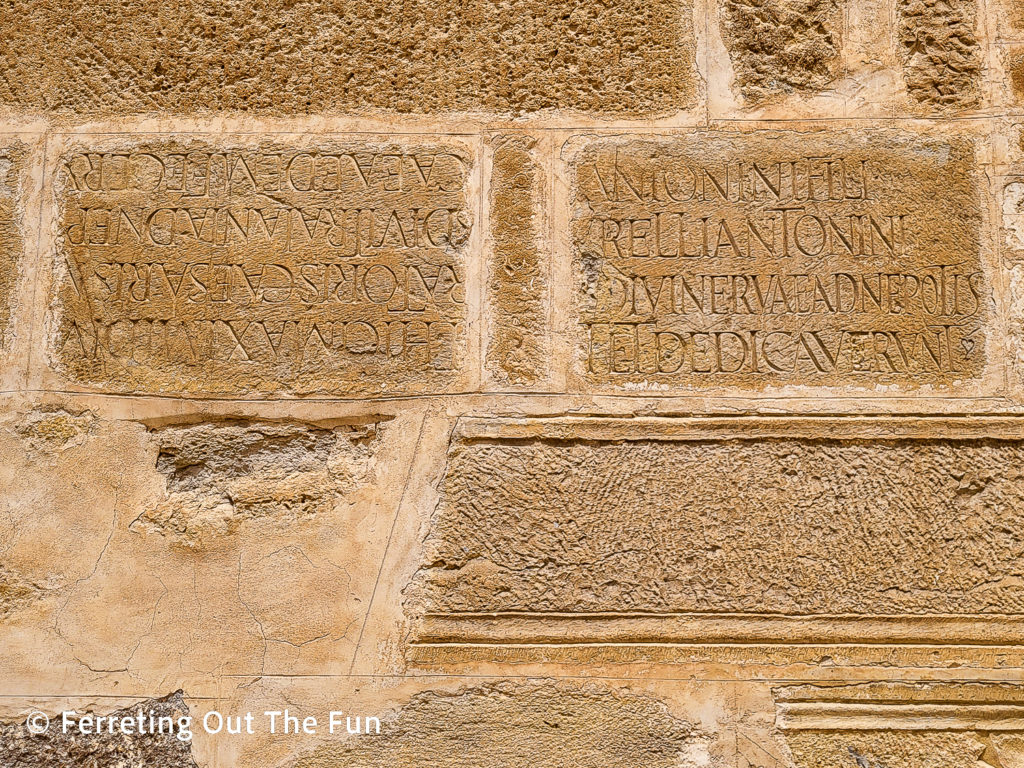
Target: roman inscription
{"type": "Point", "coordinates": [777, 258]}
{"type": "Point", "coordinates": [739, 526]}
{"type": "Point", "coordinates": [335, 268]}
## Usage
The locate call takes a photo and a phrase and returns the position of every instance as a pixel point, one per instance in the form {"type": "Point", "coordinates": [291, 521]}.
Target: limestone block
{"type": "Point", "coordinates": [334, 268]}
{"type": "Point", "coordinates": [789, 532]}
{"type": "Point", "coordinates": [519, 266]}
{"type": "Point", "coordinates": [12, 245]}
{"type": "Point", "coordinates": [314, 56]}
{"type": "Point", "coordinates": [759, 260]}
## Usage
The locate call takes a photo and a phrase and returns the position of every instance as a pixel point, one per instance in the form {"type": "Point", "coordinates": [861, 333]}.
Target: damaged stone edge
{"type": "Point", "coordinates": [234, 420]}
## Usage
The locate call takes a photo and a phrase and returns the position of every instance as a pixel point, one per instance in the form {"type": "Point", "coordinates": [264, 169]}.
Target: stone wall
{"type": "Point", "coordinates": [604, 383]}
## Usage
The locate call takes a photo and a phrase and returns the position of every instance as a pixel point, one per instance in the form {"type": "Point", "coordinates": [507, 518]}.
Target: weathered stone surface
{"type": "Point", "coordinates": [12, 158]}
{"type": "Point", "coordinates": [335, 268]}
{"type": "Point", "coordinates": [774, 258]}
{"type": "Point", "coordinates": [600, 383]}
{"type": "Point", "coordinates": [547, 725]}
{"type": "Point", "coordinates": [16, 592]}
{"type": "Point", "coordinates": [782, 46]}
{"type": "Point", "coordinates": [55, 749]}
{"type": "Point", "coordinates": [816, 526]}
{"type": "Point", "coordinates": [221, 475]}
{"type": "Point", "coordinates": [918, 724]}
{"type": "Point", "coordinates": [1013, 62]}
{"type": "Point", "coordinates": [517, 281]}
{"type": "Point", "coordinates": [50, 430]}
{"type": "Point", "coordinates": [941, 52]}
{"type": "Point", "coordinates": [313, 56]}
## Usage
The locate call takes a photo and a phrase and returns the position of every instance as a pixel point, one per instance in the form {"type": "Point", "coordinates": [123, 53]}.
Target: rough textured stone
{"type": "Point", "coordinates": [220, 475]}
{"type": "Point", "coordinates": [941, 53]}
{"type": "Point", "coordinates": [1013, 61]}
{"type": "Point", "coordinates": [902, 724]}
{"type": "Point", "coordinates": [12, 158]}
{"type": "Point", "coordinates": [888, 749]}
{"type": "Point", "coordinates": [776, 526]}
{"type": "Point", "coordinates": [546, 725]}
{"type": "Point", "coordinates": [782, 46]}
{"type": "Point", "coordinates": [772, 258]}
{"type": "Point", "coordinates": [16, 592]}
{"type": "Point", "coordinates": [313, 56]}
{"type": "Point", "coordinates": [599, 383]}
{"type": "Point", "coordinates": [517, 280]}
{"type": "Point", "coordinates": [335, 268]}
{"type": "Point", "coordinates": [54, 749]}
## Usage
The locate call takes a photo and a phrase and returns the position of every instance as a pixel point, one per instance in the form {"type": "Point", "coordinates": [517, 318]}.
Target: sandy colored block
{"type": "Point", "coordinates": [942, 56]}
{"type": "Point", "coordinates": [1013, 63]}
{"type": "Point", "coordinates": [841, 259]}
{"type": "Point", "coordinates": [547, 725]}
{"type": "Point", "coordinates": [1013, 10]}
{"type": "Point", "coordinates": [313, 56]}
{"type": "Point", "coordinates": [332, 268]}
{"type": "Point", "coordinates": [159, 745]}
{"type": "Point", "coordinates": [902, 725]}
{"type": "Point", "coordinates": [12, 157]}
{"type": "Point", "coordinates": [221, 475]}
{"type": "Point", "coordinates": [238, 545]}
{"type": "Point", "coordinates": [782, 46]}
{"type": "Point", "coordinates": [728, 537]}
{"type": "Point", "coordinates": [517, 280]}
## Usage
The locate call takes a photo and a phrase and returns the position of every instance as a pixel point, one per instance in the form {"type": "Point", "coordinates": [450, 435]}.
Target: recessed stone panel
{"type": "Point", "coordinates": [725, 260]}
{"type": "Point", "coordinates": [729, 530]}
{"type": "Point", "coordinates": [332, 268]}
{"type": "Point", "coordinates": [897, 724]}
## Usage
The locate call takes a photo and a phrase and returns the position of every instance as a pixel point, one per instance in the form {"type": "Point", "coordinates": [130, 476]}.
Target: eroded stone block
{"type": "Point", "coordinates": [902, 725]}
{"type": "Point", "coordinates": [709, 260]}
{"type": "Point", "coordinates": [336, 268]}
{"type": "Point", "coordinates": [940, 50]}
{"type": "Point", "coordinates": [707, 534]}
{"type": "Point", "coordinates": [782, 46]}
{"type": "Point", "coordinates": [313, 56]}
{"type": "Point", "coordinates": [1013, 63]}
{"type": "Point", "coordinates": [220, 475]}
{"type": "Point", "coordinates": [517, 275]}
{"type": "Point", "coordinates": [21, 749]}
{"type": "Point", "coordinates": [12, 157]}
{"type": "Point", "coordinates": [547, 725]}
